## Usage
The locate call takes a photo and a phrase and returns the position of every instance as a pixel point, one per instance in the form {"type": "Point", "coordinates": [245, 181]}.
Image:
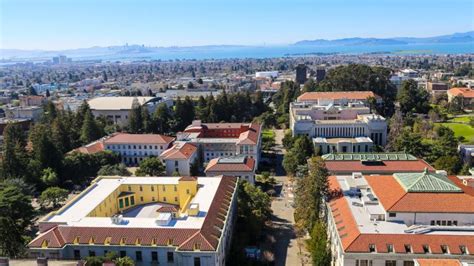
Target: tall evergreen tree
{"type": "Point", "coordinates": [161, 119]}
{"type": "Point", "coordinates": [15, 158]}
{"type": "Point", "coordinates": [89, 130]}
{"type": "Point", "coordinates": [318, 245]}
{"type": "Point", "coordinates": [135, 120]}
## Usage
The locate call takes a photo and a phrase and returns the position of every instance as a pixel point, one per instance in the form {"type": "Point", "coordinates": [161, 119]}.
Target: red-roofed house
{"type": "Point", "coordinates": [239, 166]}
{"type": "Point", "coordinates": [467, 94]}
{"type": "Point", "coordinates": [224, 139]}
{"type": "Point", "coordinates": [179, 158]}
{"type": "Point", "coordinates": [133, 148]}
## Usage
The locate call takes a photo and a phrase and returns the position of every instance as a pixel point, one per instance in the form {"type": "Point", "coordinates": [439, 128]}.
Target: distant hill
{"type": "Point", "coordinates": [452, 38]}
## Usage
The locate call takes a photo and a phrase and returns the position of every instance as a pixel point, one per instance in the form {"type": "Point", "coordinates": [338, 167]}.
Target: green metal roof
{"type": "Point", "coordinates": [426, 182]}
{"type": "Point", "coordinates": [369, 157]}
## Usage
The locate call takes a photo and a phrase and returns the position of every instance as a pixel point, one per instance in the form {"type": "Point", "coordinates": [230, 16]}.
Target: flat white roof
{"type": "Point", "coordinates": [75, 213]}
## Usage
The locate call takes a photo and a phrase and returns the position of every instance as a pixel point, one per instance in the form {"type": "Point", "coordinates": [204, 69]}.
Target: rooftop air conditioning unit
{"type": "Point", "coordinates": [117, 219]}
{"type": "Point", "coordinates": [356, 175]}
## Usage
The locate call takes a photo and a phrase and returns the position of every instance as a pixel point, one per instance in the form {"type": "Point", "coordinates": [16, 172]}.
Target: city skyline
{"type": "Point", "coordinates": [59, 25]}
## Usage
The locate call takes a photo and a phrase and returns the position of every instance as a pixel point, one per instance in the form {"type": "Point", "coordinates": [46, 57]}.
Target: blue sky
{"type": "Point", "coordinates": [63, 24]}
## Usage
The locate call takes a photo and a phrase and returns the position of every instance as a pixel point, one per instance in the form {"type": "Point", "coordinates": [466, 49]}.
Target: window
{"type": "Point", "coordinates": [91, 253]}
{"type": "Point", "coordinates": [363, 263]}
{"type": "Point", "coordinates": [463, 250]}
{"type": "Point", "coordinates": [120, 203]}
{"type": "Point", "coordinates": [175, 188]}
{"type": "Point", "coordinates": [126, 202]}
{"type": "Point", "coordinates": [407, 248]}
{"type": "Point", "coordinates": [390, 248]}
{"type": "Point", "coordinates": [390, 263]}
{"type": "Point", "coordinates": [105, 252]}
{"type": "Point", "coordinates": [432, 222]}
{"type": "Point", "coordinates": [141, 188]}
{"type": "Point", "coordinates": [371, 247]}
{"type": "Point", "coordinates": [175, 163]}
{"type": "Point", "coordinates": [129, 188]}
{"type": "Point", "coordinates": [132, 200]}
{"type": "Point", "coordinates": [197, 261]}
{"type": "Point", "coordinates": [444, 249]}
{"type": "Point", "coordinates": [408, 263]}
{"type": "Point", "coordinates": [77, 254]}
{"type": "Point", "coordinates": [187, 191]}
{"type": "Point", "coordinates": [392, 214]}
{"type": "Point", "coordinates": [426, 249]}
{"type": "Point", "coordinates": [152, 188]}
{"type": "Point", "coordinates": [123, 253]}
{"type": "Point", "coordinates": [154, 256]}
{"type": "Point", "coordinates": [164, 198]}
{"type": "Point", "coordinates": [164, 188]}
{"type": "Point", "coordinates": [152, 198]}
{"type": "Point", "coordinates": [138, 256]}
{"type": "Point", "coordinates": [170, 256]}
{"type": "Point", "coordinates": [141, 199]}
{"type": "Point", "coordinates": [175, 198]}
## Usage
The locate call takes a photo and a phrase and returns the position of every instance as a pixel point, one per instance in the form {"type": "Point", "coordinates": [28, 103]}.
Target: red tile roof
{"type": "Point", "coordinates": [336, 95]}
{"type": "Point", "coordinates": [396, 199]}
{"type": "Point", "coordinates": [215, 166]}
{"type": "Point", "coordinates": [207, 238]}
{"type": "Point", "coordinates": [179, 152]}
{"type": "Point", "coordinates": [94, 147]}
{"type": "Point", "coordinates": [387, 167]}
{"type": "Point", "coordinates": [464, 92]}
{"type": "Point", "coordinates": [247, 133]}
{"type": "Point", "coordinates": [124, 138]}
{"type": "Point", "coordinates": [354, 241]}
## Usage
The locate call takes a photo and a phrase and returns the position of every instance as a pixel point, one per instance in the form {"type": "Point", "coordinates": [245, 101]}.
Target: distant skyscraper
{"type": "Point", "coordinates": [301, 74]}
{"type": "Point", "coordinates": [56, 60]}
{"type": "Point", "coordinates": [320, 73]}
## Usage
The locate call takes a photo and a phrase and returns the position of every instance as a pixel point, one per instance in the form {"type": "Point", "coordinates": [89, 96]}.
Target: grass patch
{"type": "Point", "coordinates": [461, 119]}
{"type": "Point", "coordinates": [461, 130]}
{"type": "Point", "coordinates": [268, 133]}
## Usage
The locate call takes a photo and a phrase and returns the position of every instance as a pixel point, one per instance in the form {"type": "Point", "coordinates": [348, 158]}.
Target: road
{"type": "Point", "coordinates": [286, 248]}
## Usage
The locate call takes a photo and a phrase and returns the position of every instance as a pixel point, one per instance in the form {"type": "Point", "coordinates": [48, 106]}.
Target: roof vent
{"type": "Point", "coordinates": [117, 219]}
{"type": "Point", "coordinates": [356, 175]}
{"type": "Point", "coordinates": [163, 219]}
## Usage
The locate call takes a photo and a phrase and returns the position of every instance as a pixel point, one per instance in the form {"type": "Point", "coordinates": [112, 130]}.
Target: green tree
{"type": "Point", "coordinates": [413, 99]}
{"type": "Point", "coordinates": [15, 158]}
{"type": "Point", "coordinates": [115, 169]}
{"type": "Point", "coordinates": [309, 194]}
{"type": "Point", "coordinates": [89, 130]}
{"type": "Point", "coordinates": [16, 215]}
{"type": "Point", "coordinates": [310, 85]}
{"type": "Point", "coordinates": [45, 150]}
{"type": "Point", "coordinates": [409, 142]}
{"type": "Point", "coordinates": [49, 177]}
{"type": "Point", "coordinates": [290, 163]}
{"type": "Point", "coordinates": [135, 119]}
{"type": "Point", "coordinates": [53, 195]}
{"type": "Point", "coordinates": [184, 113]}
{"type": "Point", "coordinates": [456, 105]}
{"type": "Point", "coordinates": [161, 119]}
{"type": "Point", "coordinates": [151, 166]}
{"type": "Point", "coordinates": [451, 164]}
{"type": "Point", "coordinates": [318, 245]}
{"type": "Point", "coordinates": [124, 261]}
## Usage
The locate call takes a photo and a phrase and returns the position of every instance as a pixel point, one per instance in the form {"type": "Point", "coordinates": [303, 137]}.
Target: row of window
{"type": "Point", "coordinates": [387, 263]}
{"type": "Point", "coordinates": [444, 222]}
{"type": "Point", "coordinates": [124, 147]}
{"type": "Point", "coordinates": [138, 256]}
{"type": "Point", "coordinates": [127, 202]}
{"type": "Point", "coordinates": [152, 188]}
{"type": "Point", "coordinates": [426, 249]}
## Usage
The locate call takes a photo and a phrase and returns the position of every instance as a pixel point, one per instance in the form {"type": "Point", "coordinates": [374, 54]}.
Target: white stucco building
{"type": "Point", "coordinates": [133, 148]}
{"type": "Point", "coordinates": [338, 121]}
{"type": "Point", "coordinates": [179, 158]}
{"type": "Point", "coordinates": [379, 220]}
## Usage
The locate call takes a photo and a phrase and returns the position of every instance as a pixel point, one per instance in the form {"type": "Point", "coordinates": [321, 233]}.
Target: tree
{"type": "Point", "coordinates": [49, 177]}
{"type": "Point", "coordinates": [45, 150]}
{"type": "Point", "coordinates": [318, 245]}
{"type": "Point", "coordinates": [53, 195]}
{"type": "Point", "coordinates": [161, 120]}
{"type": "Point", "coordinates": [190, 85]}
{"type": "Point", "coordinates": [146, 120]}
{"type": "Point", "coordinates": [115, 169]}
{"type": "Point", "coordinates": [135, 120]}
{"type": "Point", "coordinates": [151, 166]}
{"type": "Point", "coordinates": [310, 85]}
{"type": "Point", "coordinates": [184, 113]}
{"type": "Point", "coordinates": [409, 142]}
{"type": "Point", "coordinates": [89, 130]}
{"type": "Point", "coordinates": [16, 215]}
{"type": "Point", "coordinates": [456, 105]}
{"type": "Point", "coordinates": [15, 158]}
{"type": "Point", "coordinates": [451, 164]}
{"type": "Point", "coordinates": [310, 193]}
{"type": "Point", "coordinates": [290, 163]}
{"type": "Point", "coordinates": [413, 99]}
{"type": "Point", "coordinates": [124, 261]}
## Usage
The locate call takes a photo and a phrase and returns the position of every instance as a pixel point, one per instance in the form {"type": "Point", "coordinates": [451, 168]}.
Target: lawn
{"type": "Point", "coordinates": [462, 130]}
{"type": "Point", "coordinates": [268, 133]}
{"type": "Point", "coordinates": [461, 119]}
